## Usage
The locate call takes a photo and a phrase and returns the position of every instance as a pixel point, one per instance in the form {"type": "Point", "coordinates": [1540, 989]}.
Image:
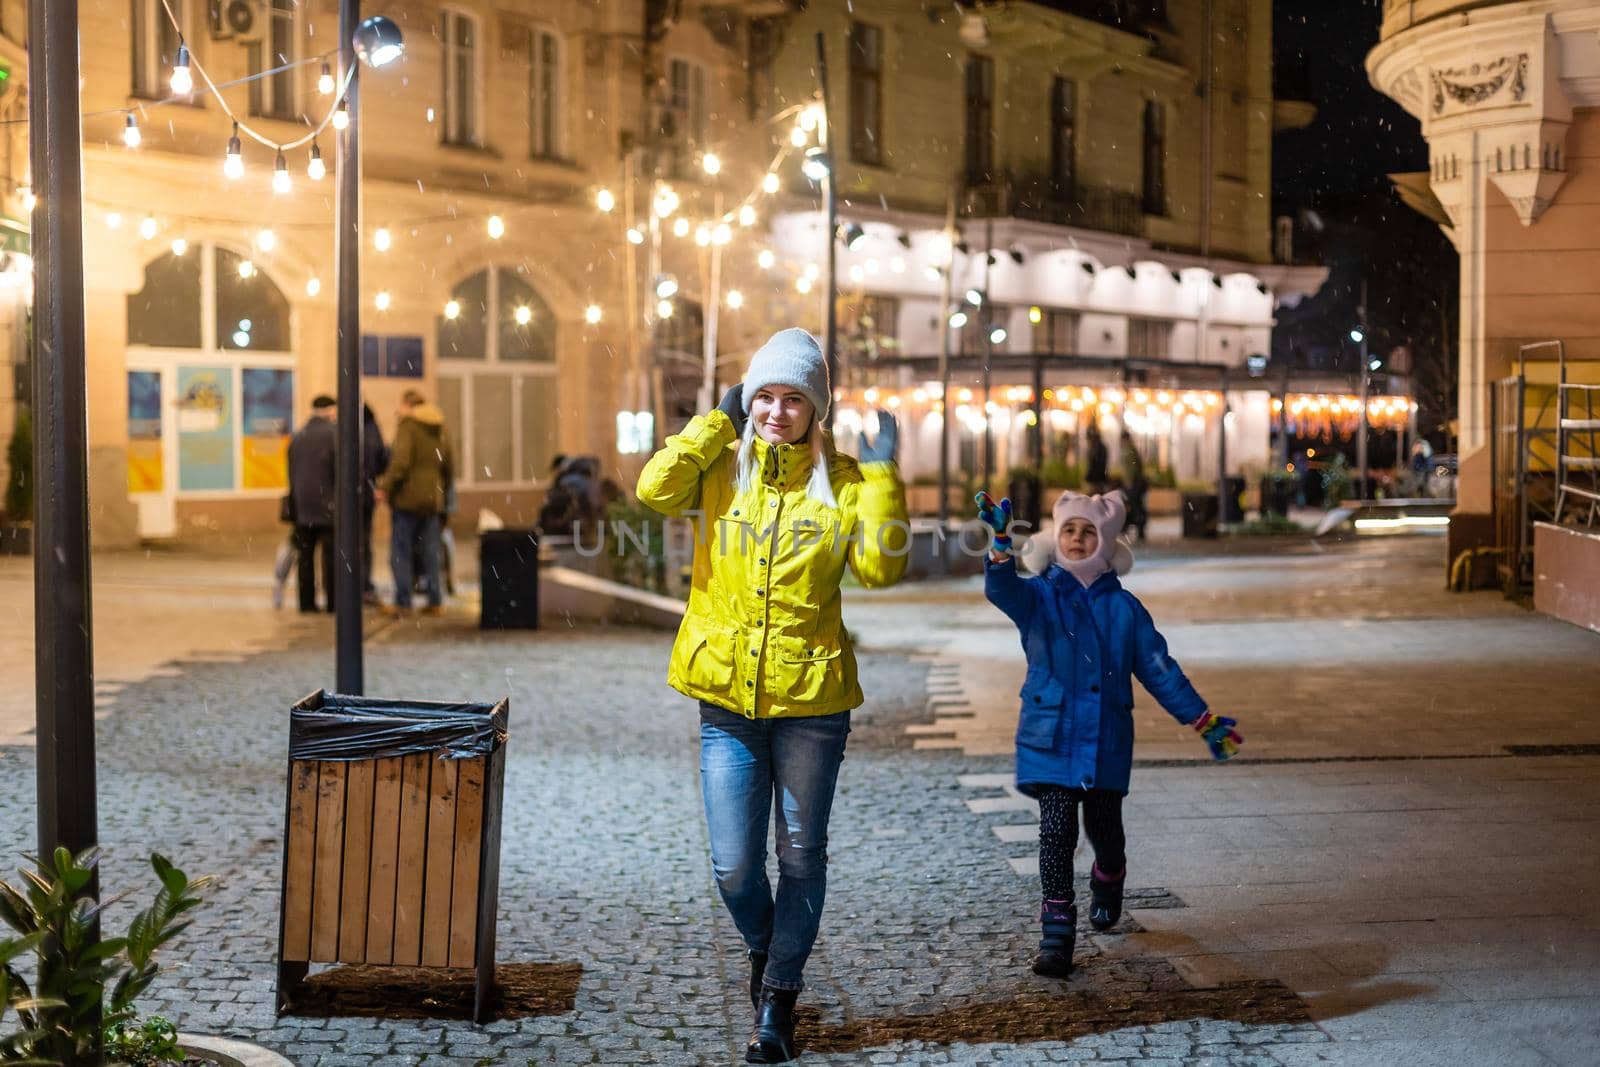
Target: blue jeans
{"type": "Point", "coordinates": [746, 766]}
{"type": "Point", "coordinates": [405, 528]}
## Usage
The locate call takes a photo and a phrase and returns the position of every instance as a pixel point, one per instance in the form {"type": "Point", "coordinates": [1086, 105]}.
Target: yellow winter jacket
{"type": "Point", "coordinates": [762, 634]}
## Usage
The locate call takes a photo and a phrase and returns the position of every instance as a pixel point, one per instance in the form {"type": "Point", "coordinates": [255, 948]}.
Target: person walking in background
{"type": "Point", "coordinates": [420, 473]}
{"type": "Point", "coordinates": [1094, 471]}
{"type": "Point", "coordinates": [1086, 639]}
{"type": "Point", "coordinates": [1135, 484]}
{"type": "Point", "coordinates": [762, 646]}
{"type": "Point", "coordinates": [374, 460]}
{"type": "Point", "coordinates": [312, 479]}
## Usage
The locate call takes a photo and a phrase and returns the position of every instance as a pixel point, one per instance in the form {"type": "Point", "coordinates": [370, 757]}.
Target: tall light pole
{"type": "Point", "coordinates": [713, 309]}
{"type": "Point", "coordinates": [62, 627]}
{"type": "Point", "coordinates": [1359, 336]}
{"type": "Point", "coordinates": [377, 42]}
{"type": "Point", "coordinates": [830, 315]}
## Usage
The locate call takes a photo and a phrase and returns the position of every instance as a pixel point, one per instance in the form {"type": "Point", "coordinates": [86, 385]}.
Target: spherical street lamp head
{"type": "Point", "coordinates": [378, 41]}
{"type": "Point", "coordinates": [1357, 336]}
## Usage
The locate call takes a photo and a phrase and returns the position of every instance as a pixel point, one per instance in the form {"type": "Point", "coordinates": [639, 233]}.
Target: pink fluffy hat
{"type": "Point", "coordinates": [1107, 513]}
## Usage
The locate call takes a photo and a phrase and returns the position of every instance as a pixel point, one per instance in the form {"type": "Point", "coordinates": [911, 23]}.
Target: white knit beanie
{"type": "Point", "coordinates": [790, 357]}
{"type": "Point", "coordinates": [1107, 514]}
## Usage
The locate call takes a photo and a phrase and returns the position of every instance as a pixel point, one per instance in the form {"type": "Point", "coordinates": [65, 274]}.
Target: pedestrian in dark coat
{"type": "Point", "coordinates": [1135, 484]}
{"type": "Point", "coordinates": [1094, 472]}
{"type": "Point", "coordinates": [312, 479]}
{"type": "Point", "coordinates": [1086, 639]}
{"type": "Point", "coordinates": [374, 461]}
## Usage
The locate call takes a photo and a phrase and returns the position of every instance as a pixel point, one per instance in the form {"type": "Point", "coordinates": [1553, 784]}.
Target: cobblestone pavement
{"type": "Point", "coordinates": [610, 929]}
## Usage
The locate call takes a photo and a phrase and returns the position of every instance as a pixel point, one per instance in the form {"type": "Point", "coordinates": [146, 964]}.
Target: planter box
{"type": "Point", "coordinates": [1199, 515]}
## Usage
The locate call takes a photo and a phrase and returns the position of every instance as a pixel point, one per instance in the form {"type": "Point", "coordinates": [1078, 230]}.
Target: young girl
{"type": "Point", "coordinates": [1086, 638]}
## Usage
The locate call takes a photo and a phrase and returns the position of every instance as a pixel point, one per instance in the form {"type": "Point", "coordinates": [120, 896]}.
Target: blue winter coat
{"type": "Point", "coordinates": [1084, 647]}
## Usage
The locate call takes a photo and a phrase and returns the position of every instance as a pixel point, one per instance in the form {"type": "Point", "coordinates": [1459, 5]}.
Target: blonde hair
{"type": "Point", "coordinates": [819, 487]}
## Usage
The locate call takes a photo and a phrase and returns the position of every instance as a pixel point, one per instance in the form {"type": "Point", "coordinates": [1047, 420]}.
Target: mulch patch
{"type": "Point", "coordinates": [522, 990]}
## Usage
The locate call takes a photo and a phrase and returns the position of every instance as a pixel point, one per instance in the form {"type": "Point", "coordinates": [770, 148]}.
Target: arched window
{"type": "Point", "coordinates": [497, 384]}
{"type": "Point", "coordinates": [166, 313]}
{"type": "Point", "coordinates": [243, 310]}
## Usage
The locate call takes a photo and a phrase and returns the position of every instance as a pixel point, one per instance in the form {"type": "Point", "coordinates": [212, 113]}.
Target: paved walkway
{"type": "Point", "coordinates": [1379, 879]}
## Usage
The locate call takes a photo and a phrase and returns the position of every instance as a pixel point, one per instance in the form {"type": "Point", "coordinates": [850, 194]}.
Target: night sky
{"type": "Point", "coordinates": [1359, 134]}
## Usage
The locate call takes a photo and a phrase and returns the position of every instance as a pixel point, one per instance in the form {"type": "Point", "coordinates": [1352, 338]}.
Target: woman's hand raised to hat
{"type": "Point", "coordinates": [733, 406]}
{"type": "Point", "coordinates": [882, 447]}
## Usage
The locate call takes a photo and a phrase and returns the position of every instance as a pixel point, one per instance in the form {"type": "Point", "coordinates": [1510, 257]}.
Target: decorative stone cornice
{"type": "Point", "coordinates": [1494, 89]}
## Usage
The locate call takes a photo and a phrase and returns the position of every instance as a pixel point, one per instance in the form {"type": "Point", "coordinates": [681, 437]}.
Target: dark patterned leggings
{"type": "Point", "coordinates": [1058, 835]}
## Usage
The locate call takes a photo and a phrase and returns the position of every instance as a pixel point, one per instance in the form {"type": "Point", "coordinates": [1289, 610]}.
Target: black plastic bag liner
{"type": "Point", "coordinates": [332, 726]}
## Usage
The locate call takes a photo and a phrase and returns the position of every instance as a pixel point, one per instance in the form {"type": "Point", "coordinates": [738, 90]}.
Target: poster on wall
{"type": "Point", "coordinates": [267, 407]}
{"type": "Point", "coordinates": [145, 474]}
{"type": "Point", "coordinates": [205, 428]}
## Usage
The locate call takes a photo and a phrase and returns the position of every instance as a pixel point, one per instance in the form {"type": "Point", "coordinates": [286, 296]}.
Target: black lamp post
{"type": "Point", "coordinates": [376, 41]}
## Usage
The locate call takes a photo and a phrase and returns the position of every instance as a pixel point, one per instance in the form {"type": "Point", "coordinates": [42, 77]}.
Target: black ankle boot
{"type": "Point", "coordinates": [758, 969]}
{"type": "Point", "coordinates": [773, 1038]}
{"type": "Point", "coordinates": [1105, 895]}
{"type": "Point", "coordinates": [1058, 923]}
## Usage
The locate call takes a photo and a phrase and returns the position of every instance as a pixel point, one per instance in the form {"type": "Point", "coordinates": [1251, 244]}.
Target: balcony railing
{"type": "Point", "coordinates": [1038, 199]}
{"type": "Point", "coordinates": [1400, 15]}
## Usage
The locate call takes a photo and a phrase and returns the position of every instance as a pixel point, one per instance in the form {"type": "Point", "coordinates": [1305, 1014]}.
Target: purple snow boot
{"type": "Point", "coordinates": [1105, 897]}
{"type": "Point", "coordinates": [1058, 921]}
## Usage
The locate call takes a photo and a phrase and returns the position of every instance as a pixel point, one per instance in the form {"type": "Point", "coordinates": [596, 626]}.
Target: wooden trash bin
{"type": "Point", "coordinates": [392, 837]}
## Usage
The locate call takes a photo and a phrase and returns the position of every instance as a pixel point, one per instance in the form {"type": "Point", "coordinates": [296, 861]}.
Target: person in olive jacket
{"type": "Point", "coordinates": [762, 646]}
{"type": "Point", "coordinates": [420, 472]}
{"type": "Point", "coordinates": [312, 479]}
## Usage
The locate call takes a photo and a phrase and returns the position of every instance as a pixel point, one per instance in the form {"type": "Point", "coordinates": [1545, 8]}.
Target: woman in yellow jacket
{"type": "Point", "coordinates": [762, 647]}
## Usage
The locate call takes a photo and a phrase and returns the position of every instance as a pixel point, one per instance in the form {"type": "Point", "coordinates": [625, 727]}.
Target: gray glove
{"type": "Point", "coordinates": [881, 448]}
{"type": "Point", "coordinates": [733, 406]}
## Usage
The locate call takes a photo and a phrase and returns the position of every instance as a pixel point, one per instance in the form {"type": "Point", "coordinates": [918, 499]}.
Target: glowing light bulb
{"type": "Point", "coordinates": [635, 235]}
{"type": "Point", "coordinates": [711, 163]}
{"type": "Point", "coordinates": [958, 320]}
{"type": "Point", "coordinates": [313, 286]}
{"type": "Point", "coordinates": [722, 234]}
{"type": "Point", "coordinates": [770, 183]}
{"type": "Point", "coordinates": [382, 240]}
{"type": "Point", "coordinates": [247, 269]}
{"type": "Point", "coordinates": [114, 220]}
{"type": "Point", "coordinates": [1036, 314]}
{"type": "Point", "coordinates": [497, 227]}
{"type": "Point", "coordinates": [382, 300]}
{"type": "Point", "coordinates": [182, 81]}
{"type": "Point", "coordinates": [747, 215]}
{"type": "Point", "coordinates": [680, 227]}
{"type": "Point", "coordinates": [811, 117]}
{"type": "Point", "coordinates": [29, 199]}
{"type": "Point", "coordinates": [523, 314]}
{"type": "Point", "coordinates": [702, 235]}
{"type": "Point", "coordinates": [179, 246]}
{"type": "Point", "coordinates": [325, 80]}
{"type": "Point", "coordinates": [605, 200]}
{"type": "Point", "coordinates": [663, 309]}
{"type": "Point", "coordinates": [316, 170]}
{"type": "Point", "coordinates": [765, 259]}
{"type": "Point", "coordinates": [281, 183]}
{"type": "Point", "coordinates": [130, 132]}
{"type": "Point", "coordinates": [798, 138]}
{"type": "Point", "coordinates": [147, 228]}
{"type": "Point", "coordinates": [452, 309]}
{"type": "Point", "coordinates": [735, 299]}
{"type": "Point", "coordinates": [666, 201]}
{"type": "Point", "coordinates": [341, 117]}
{"type": "Point", "coordinates": [233, 163]}
{"type": "Point", "coordinates": [592, 314]}
{"type": "Point", "coordinates": [802, 285]}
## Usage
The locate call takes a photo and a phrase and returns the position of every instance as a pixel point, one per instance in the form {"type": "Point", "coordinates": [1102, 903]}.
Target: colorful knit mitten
{"type": "Point", "coordinates": [1218, 732]}
{"type": "Point", "coordinates": [998, 518]}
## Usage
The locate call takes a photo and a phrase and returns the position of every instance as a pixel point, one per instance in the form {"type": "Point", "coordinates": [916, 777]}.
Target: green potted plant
{"type": "Point", "coordinates": [16, 530]}
{"type": "Point", "coordinates": [69, 1017]}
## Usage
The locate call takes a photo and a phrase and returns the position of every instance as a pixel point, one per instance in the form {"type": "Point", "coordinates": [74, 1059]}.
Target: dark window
{"type": "Point", "coordinates": [980, 120]}
{"type": "Point", "coordinates": [544, 82]}
{"type": "Point", "coordinates": [975, 334]}
{"type": "Point", "coordinates": [1149, 338]}
{"type": "Point", "coordinates": [869, 325]}
{"type": "Point", "coordinates": [166, 312]}
{"type": "Point", "coordinates": [866, 93]}
{"type": "Point", "coordinates": [1056, 333]}
{"type": "Point", "coordinates": [1155, 158]}
{"type": "Point", "coordinates": [272, 95]}
{"type": "Point", "coordinates": [1063, 137]}
{"type": "Point", "coordinates": [525, 323]}
{"type": "Point", "coordinates": [155, 45]}
{"type": "Point", "coordinates": [252, 312]}
{"type": "Point", "coordinates": [460, 79]}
